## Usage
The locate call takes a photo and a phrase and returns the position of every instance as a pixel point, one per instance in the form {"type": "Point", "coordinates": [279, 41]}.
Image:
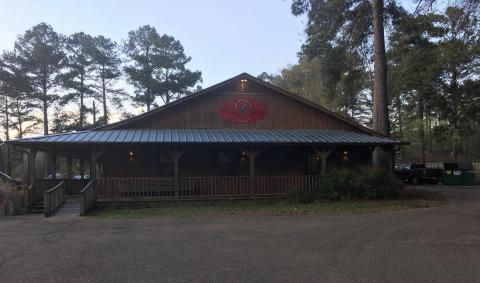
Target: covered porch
{"type": "Point", "coordinates": [212, 165]}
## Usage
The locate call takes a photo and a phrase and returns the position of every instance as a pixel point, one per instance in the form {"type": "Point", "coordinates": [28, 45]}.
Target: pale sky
{"type": "Point", "coordinates": [223, 37]}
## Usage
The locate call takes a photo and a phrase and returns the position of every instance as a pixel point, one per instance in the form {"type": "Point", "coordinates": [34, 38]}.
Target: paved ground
{"type": "Point", "coordinates": [423, 245]}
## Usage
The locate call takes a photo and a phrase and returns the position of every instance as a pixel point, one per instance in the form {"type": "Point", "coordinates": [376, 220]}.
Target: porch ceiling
{"type": "Point", "coordinates": [210, 136]}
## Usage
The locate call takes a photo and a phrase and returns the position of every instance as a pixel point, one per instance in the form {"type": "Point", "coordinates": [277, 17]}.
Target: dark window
{"type": "Point", "coordinates": [313, 164]}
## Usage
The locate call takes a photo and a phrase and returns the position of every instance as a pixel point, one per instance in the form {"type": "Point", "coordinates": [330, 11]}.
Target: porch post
{"type": "Point", "coordinates": [32, 154]}
{"type": "Point", "coordinates": [175, 155]}
{"type": "Point", "coordinates": [94, 155]}
{"type": "Point", "coordinates": [82, 168]}
{"type": "Point", "coordinates": [323, 154]}
{"type": "Point", "coordinates": [69, 167]}
{"type": "Point", "coordinates": [252, 155]}
{"type": "Point", "coordinates": [52, 164]}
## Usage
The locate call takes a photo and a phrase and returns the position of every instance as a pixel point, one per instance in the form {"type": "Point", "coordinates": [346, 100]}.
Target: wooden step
{"type": "Point", "coordinates": [37, 207]}
{"type": "Point", "coordinates": [36, 210]}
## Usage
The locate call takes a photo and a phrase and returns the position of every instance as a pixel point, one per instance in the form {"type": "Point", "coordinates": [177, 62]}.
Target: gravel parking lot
{"type": "Point", "coordinates": [440, 244]}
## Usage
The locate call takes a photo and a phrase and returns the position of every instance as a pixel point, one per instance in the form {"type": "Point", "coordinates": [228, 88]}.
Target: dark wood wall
{"type": "Point", "coordinates": [282, 112]}
{"type": "Point", "coordinates": [223, 161]}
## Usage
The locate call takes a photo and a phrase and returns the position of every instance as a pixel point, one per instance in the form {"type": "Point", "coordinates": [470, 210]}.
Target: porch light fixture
{"type": "Point", "coordinates": [131, 156]}
{"type": "Point", "coordinates": [243, 156]}
{"type": "Point", "coordinates": [345, 155]}
{"type": "Point", "coordinates": [243, 81]}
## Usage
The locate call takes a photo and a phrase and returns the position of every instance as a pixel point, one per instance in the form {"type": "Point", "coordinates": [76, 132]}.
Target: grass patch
{"type": "Point", "coordinates": [259, 207]}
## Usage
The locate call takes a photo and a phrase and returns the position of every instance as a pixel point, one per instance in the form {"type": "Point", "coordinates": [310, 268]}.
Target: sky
{"type": "Point", "coordinates": [223, 37]}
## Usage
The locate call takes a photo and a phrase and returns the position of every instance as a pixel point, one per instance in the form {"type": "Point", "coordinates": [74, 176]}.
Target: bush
{"type": "Point", "coordinates": [10, 200]}
{"type": "Point", "coordinates": [347, 184]}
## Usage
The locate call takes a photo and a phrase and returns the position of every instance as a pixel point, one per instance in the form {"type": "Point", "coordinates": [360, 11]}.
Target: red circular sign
{"type": "Point", "coordinates": [242, 110]}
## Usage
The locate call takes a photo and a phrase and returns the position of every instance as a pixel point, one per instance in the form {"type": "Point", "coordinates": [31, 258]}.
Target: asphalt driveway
{"type": "Point", "coordinates": [439, 244]}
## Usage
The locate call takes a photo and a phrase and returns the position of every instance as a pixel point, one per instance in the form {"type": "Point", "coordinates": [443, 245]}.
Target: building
{"type": "Point", "coordinates": [240, 138]}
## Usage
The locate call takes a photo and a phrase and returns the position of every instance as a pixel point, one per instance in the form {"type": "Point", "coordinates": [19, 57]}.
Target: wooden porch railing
{"type": "Point", "coordinates": [87, 198]}
{"type": "Point", "coordinates": [231, 187]}
{"type": "Point", "coordinates": [36, 191]}
{"type": "Point", "coordinates": [54, 199]}
{"type": "Point", "coordinates": [74, 186]}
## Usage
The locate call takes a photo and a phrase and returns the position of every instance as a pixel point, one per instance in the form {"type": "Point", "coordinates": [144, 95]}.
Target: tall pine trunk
{"type": "Point", "coordinates": [400, 124]}
{"type": "Point", "coordinates": [381, 123]}
{"type": "Point", "coordinates": [45, 104]}
{"type": "Point", "coordinates": [19, 119]}
{"type": "Point", "coordinates": [7, 118]}
{"type": "Point", "coordinates": [82, 108]}
{"type": "Point", "coordinates": [104, 98]}
{"type": "Point", "coordinates": [421, 127]}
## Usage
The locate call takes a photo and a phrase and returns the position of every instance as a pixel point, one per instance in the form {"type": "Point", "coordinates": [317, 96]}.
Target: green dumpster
{"type": "Point", "coordinates": [458, 178]}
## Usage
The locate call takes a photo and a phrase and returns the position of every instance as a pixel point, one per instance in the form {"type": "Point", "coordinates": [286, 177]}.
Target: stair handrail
{"type": "Point", "coordinates": [27, 196]}
{"type": "Point", "coordinates": [54, 199]}
{"type": "Point", "coordinates": [9, 179]}
{"type": "Point", "coordinates": [87, 198]}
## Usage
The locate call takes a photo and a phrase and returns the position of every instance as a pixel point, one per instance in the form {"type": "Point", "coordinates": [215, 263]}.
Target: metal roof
{"type": "Point", "coordinates": [209, 136]}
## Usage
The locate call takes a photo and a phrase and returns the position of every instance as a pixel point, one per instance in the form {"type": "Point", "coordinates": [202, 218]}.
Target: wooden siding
{"type": "Point", "coordinates": [154, 162]}
{"type": "Point", "coordinates": [282, 112]}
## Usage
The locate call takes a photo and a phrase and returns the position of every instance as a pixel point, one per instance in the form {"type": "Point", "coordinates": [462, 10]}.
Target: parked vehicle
{"type": "Point", "coordinates": [445, 166]}
{"type": "Point", "coordinates": [79, 177]}
{"type": "Point", "coordinates": [416, 173]}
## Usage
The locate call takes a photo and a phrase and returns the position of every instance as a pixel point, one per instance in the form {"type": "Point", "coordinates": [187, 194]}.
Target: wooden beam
{"type": "Point", "coordinates": [175, 154]}
{"type": "Point", "coordinates": [82, 168]}
{"type": "Point", "coordinates": [69, 167]}
{"type": "Point", "coordinates": [94, 155]}
{"type": "Point", "coordinates": [52, 164]}
{"type": "Point", "coordinates": [32, 154]}
{"type": "Point", "coordinates": [252, 155]}
{"type": "Point", "coordinates": [323, 153]}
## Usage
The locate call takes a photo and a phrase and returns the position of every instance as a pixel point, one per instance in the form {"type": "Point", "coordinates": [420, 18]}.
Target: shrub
{"type": "Point", "coordinates": [345, 184]}
{"type": "Point", "coordinates": [10, 200]}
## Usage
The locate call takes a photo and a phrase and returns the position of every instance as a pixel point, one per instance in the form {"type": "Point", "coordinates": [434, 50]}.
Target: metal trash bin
{"type": "Point", "coordinates": [458, 178]}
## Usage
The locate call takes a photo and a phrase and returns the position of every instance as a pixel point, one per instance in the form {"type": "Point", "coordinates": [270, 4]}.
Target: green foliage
{"type": "Point", "coordinates": [41, 55]}
{"type": "Point", "coordinates": [107, 71]}
{"type": "Point", "coordinates": [157, 67]}
{"type": "Point", "coordinates": [349, 184]}
{"type": "Point", "coordinates": [77, 77]}
{"type": "Point", "coordinates": [336, 81]}
{"type": "Point", "coordinates": [245, 207]}
{"type": "Point", "coordinates": [15, 92]}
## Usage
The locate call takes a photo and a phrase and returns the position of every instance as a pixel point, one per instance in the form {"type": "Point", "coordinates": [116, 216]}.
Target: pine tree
{"type": "Point", "coordinates": [157, 67]}
{"type": "Point", "coordinates": [23, 118]}
{"type": "Point", "coordinates": [107, 72]}
{"type": "Point", "coordinates": [78, 75]}
{"type": "Point", "coordinates": [41, 54]}
{"type": "Point", "coordinates": [460, 59]}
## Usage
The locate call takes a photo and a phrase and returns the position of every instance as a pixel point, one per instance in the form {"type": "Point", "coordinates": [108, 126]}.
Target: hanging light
{"type": "Point", "coordinates": [243, 156]}
{"type": "Point", "coordinates": [131, 156]}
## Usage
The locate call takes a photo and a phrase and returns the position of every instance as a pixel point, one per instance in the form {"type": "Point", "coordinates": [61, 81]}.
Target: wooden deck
{"type": "Point", "coordinates": [171, 188]}
{"type": "Point", "coordinates": [231, 187]}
